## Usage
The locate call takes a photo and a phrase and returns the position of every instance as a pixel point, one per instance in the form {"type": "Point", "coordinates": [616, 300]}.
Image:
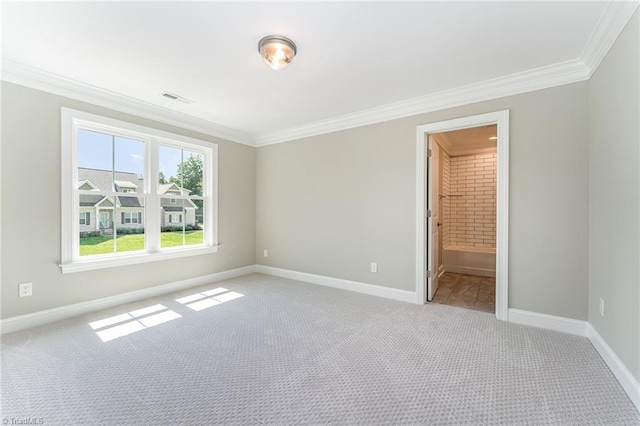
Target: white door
{"type": "Point", "coordinates": [433, 222]}
{"type": "Point", "coordinates": [104, 220]}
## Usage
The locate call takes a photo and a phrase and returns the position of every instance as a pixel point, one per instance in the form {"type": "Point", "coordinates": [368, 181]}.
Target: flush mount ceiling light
{"type": "Point", "coordinates": [277, 51]}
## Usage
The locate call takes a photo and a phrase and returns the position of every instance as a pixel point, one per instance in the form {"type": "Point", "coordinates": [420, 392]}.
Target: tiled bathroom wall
{"type": "Point", "coordinates": [470, 200]}
{"type": "Point", "coordinates": [446, 201]}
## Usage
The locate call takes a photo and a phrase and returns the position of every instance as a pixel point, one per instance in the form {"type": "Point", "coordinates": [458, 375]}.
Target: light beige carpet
{"type": "Point", "coordinates": [266, 350]}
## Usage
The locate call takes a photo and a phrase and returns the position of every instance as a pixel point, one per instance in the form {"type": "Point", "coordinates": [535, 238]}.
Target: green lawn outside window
{"type": "Point", "coordinates": [103, 245]}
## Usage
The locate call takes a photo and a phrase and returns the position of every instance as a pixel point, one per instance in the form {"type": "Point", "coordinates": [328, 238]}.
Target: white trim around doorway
{"type": "Point", "coordinates": [501, 119]}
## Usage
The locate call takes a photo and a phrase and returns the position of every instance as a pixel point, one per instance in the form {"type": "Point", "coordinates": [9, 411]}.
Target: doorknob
{"type": "Point", "coordinates": [439, 224]}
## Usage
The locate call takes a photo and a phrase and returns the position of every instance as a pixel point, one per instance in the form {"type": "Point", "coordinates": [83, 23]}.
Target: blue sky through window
{"type": "Point", "coordinates": [96, 151]}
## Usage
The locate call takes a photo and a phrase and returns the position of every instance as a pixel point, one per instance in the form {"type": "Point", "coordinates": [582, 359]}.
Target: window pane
{"type": "Point", "coordinates": [191, 172]}
{"type": "Point", "coordinates": [180, 168]}
{"type": "Point", "coordinates": [95, 160]}
{"type": "Point", "coordinates": [129, 224]}
{"type": "Point", "coordinates": [196, 235]}
{"type": "Point", "coordinates": [128, 165]}
{"type": "Point", "coordinates": [96, 230]}
{"type": "Point", "coordinates": [179, 224]}
{"type": "Point", "coordinates": [199, 212]}
{"type": "Point", "coordinates": [94, 150]}
{"type": "Point", "coordinates": [111, 229]}
{"type": "Point", "coordinates": [99, 169]}
{"type": "Point", "coordinates": [172, 224]}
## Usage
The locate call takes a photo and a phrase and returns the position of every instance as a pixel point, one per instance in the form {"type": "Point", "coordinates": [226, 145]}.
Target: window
{"type": "Point", "coordinates": [182, 195]}
{"type": "Point", "coordinates": [140, 181]}
{"type": "Point", "coordinates": [131, 217]}
{"type": "Point", "coordinates": [175, 218]}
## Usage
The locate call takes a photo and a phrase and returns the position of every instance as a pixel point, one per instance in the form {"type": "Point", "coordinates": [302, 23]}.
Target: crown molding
{"type": "Point", "coordinates": [34, 78]}
{"type": "Point", "coordinates": [611, 23]}
{"type": "Point", "coordinates": [513, 84]}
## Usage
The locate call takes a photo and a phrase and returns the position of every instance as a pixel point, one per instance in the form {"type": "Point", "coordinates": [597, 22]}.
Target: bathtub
{"type": "Point", "coordinates": [470, 260]}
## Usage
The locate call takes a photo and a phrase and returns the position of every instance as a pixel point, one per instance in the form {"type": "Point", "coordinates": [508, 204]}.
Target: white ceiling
{"type": "Point", "coordinates": [351, 56]}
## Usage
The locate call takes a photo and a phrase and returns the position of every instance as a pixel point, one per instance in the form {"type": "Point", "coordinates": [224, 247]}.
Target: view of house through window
{"type": "Point", "coordinates": [109, 166]}
{"type": "Point", "coordinates": [180, 181]}
{"type": "Point", "coordinates": [129, 190]}
{"type": "Point", "coordinates": [113, 194]}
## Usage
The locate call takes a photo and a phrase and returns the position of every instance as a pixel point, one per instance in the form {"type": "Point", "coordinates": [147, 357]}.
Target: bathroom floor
{"type": "Point", "coordinates": [467, 291]}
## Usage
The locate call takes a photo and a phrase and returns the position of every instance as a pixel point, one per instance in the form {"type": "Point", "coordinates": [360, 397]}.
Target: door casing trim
{"type": "Point", "coordinates": [501, 119]}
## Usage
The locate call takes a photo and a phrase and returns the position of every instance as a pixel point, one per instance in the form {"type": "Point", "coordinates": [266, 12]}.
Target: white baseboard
{"type": "Point", "coordinates": [22, 322]}
{"type": "Point", "coordinates": [550, 322]}
{"type": "Point", "coordinates": [370, 289]}
{"type": "Point", "coordinates": [619, 370]}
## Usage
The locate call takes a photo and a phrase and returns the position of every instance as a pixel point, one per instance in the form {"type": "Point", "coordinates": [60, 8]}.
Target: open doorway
{"type": "Point", "coordinates": [465, 188]}
{"type": "Point", "coordinates": [462, 212]}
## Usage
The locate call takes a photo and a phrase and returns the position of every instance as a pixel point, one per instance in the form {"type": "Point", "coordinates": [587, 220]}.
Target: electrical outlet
{"type": "Point", "coordinates": [601, 307]}
{"type": "Point", "coordinates": [266, 253]}
{"type": "Point", "coordinates": [374, 267]}
{"type": "Point", "coordinates": [25, 289]}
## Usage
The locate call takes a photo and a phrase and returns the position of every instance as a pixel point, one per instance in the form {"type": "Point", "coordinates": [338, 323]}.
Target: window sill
{"type": "Point", "coordinates": [133, 259]}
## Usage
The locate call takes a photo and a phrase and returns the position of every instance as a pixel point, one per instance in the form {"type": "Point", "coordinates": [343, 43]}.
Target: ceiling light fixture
{"type": "Point", "coordinates": [277, 51]}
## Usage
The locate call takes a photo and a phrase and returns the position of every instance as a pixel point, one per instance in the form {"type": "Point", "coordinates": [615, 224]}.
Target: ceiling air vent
{"type": "Point", "coordinates": [175, 97]}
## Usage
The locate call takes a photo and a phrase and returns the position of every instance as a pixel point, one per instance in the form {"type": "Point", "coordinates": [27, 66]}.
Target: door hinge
{"type": "Point", "coordinates": [428, 274]}
{"type": "Point", "coordinates": [428, 153]}
{"type": "Point", "coordinates": [428, 213]}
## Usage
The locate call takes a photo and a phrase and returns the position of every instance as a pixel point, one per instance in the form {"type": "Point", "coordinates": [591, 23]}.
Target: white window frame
{"type": "Point", "coordinates": [71, 261]}
{"type": "Point", "coordinates": [83, 216]}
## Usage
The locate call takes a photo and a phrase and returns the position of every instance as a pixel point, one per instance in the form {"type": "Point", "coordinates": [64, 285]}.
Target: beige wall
{"type": "Point", "coordinates": [333, 203]}
{"type": "Point", "coordinates": [614, 204]}
{"type": "Point", "coordinates": [327, 205]}
{"type": "Point", "coordinates": [31, 180]}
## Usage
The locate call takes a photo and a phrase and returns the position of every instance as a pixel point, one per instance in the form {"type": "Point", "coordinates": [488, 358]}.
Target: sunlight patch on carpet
{"type": "Point", "coordinates": [115, 326]}
{"type": "Point", "coordinates": [203, 300]}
